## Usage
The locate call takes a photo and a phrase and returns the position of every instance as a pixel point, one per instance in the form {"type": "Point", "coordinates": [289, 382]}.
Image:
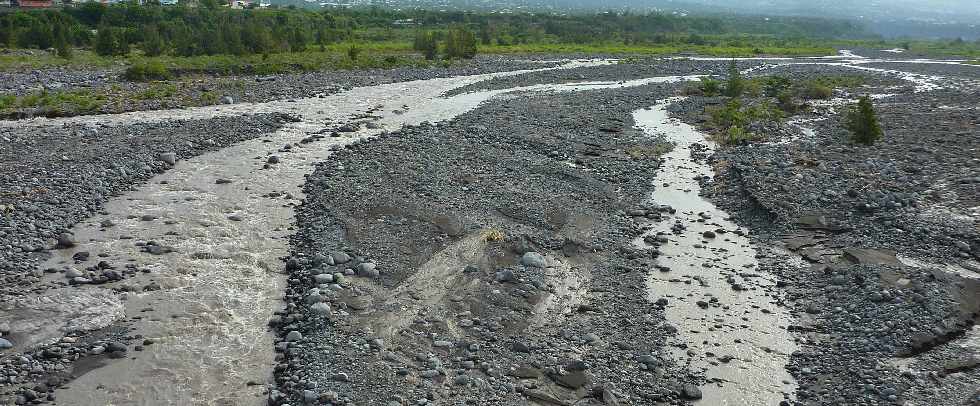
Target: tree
{"type": "Point", "coordinates": [321, 38]}
{"type": "Point", "coordinates": [297, 39]}
{"type": "Point", "coordinates": [105, 41]}
{"type": "Point", "coordinates": [353, 52]}
{"type": "Point", "coordinates": [425, 42]}
{"type": "Point", "coordinates": [61, 44]}
{"type": "Point", "coordinates": [460, 43]}
{"type": "Point", "coordinates": [153, 44]}
{"type": "Point", "coordinates": [863, 123]}
{"type": "Point", "coordinates": [231, 36]}
{"type": "Point", "coordinates": [734, 85]}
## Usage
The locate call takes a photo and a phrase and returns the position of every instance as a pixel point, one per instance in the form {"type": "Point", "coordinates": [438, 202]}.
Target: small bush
{"type": "Point", "coordinates": [147, 71]}
{"type": "Point", "coordinates": [425, 42]}
{"type": "Point", "coordinates": [492, 235]}
{"type": "Point", "coordinates": [729, 115]}
{"type": "Point", "coordinates": [737, 135]}
{"type": "Point", "coordinates": [460, 43]}
{"type": "Point", "coordinates": [153, 44]}
{"type": "Point", "coordinates": [787, 103]}
{"type": "Point", "coordinates": [863, 123]}
{"type": "Point", "coordinates": [734, 84]}
{"type": "Point", "coordinates": [640, 152]}
{"type": "Point", "coordinates": [815, 90]}
{"type": "Point", "coordinates": [353, 52]}
{"type": "Point", "coordinates": [710, 87]}
{"type": "Point", "coordinates": [111, 42]}
{"type": "Point", "coordinates": [775, 85]}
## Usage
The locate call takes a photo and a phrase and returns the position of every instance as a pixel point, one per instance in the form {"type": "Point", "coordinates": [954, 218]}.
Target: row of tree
{"type": "Point", "coordinates": [187, 31]}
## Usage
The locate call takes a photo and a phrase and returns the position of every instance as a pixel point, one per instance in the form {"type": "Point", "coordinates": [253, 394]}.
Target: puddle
{"type": "Point", "coordinates": [737, 337]}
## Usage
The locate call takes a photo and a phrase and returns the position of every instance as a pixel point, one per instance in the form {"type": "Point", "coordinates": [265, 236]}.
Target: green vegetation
{"type": "Point", "coordinates": [119, 30]}
{"type": "Point", "coordinates": [50, 104]}
{"type": "Point", "coordinates": [815, 90]}
{"type": "Point", "coordinates": [770, 98]}
{"type": "Point", "coordinates": [143, 71]}
{"type": "Point", "coordinates": [734, 84]}
{"type": "Point", "coordinates": [93, 34]}
{"type": "Point", "coordinates": [353, 52]}
{"type": "Point", "coordinates": [710, 87]}
{"type": "Point", "coordinates": [731, 121]}
{"type": "Point", "coordinates": [640, 152]}
{"type": "Point", "coordinates": [158, 91]}
{"type": "Point", "coordinates": [460, 43]}
{"type": "Point", "coordinates": [863, 123]}
{"type": "Point", "coordinates": [426, 43]}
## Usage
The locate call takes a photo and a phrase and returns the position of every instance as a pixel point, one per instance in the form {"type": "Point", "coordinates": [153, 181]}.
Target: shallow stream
{"type": "Point", "coordinates": [725, 310]}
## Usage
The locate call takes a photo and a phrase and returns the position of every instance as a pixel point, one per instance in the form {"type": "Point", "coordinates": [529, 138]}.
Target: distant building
{"type": "Point", "coordinates": [34, 3]}
{"type": "Point", "coordinates": [168, 2]}
{"type": "Point", "coordinates": [5, 3]}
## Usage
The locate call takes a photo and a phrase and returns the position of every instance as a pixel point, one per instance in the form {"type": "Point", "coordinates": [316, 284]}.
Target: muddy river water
{"type": "Point", "coordinates": [212, 297]}
{"type": "Point", "coordinates": [725, 310]}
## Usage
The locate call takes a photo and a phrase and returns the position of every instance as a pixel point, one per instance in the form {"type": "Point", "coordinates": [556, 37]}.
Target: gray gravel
{"type": "Point", "coordinates": [197, 90]}
{"type": "Point", "coordinates": [550, 174]}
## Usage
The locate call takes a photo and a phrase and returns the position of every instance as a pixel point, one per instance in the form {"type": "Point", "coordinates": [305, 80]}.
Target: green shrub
{"type": "Point", "coordinates": [775, 85]}
{"type": "Point", "coordinates": [425, 42]}
{"type": "Point", "coordinates": [710, 87]}
{"type": "Point", "coordinates": [153, 44]}
{"type": "Point", "coordinates": [55, 104]}
{"type": "Point", "coordinates": [815, 90]}
{"type": "Point", "coordinates": [61, 44]}
{"type": "Point", "coordinates": [111, 42]}
{"type": "Point", "coordinates": [786, 102]}
{"type": "Point", "coordinates": [734, 84]}
{"type": "Point", "coordinates": [737, 135]}
{"type": "Point", "coordinates": [7, 101]}
{"type": "Point", "coordinates": [729, 115]}
{"type": "Point", "coordinates": [353, 52]}
{"type": "Point", "coordinates": [460, 43]}
{"type": "Point", "coordinates": [147, 71]}
{"type": "Point", "coordinates": [863, 123]}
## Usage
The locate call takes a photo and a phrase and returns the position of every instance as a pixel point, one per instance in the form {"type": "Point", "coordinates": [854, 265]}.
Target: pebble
{"type": "Point", "coordinates": [294, 336]}
{"type": "Point", "coordinates": [534, 259]}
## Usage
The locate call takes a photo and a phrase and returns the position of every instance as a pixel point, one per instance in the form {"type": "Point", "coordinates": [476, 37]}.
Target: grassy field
{"type": "Point", "coordinates": [53, 103]}
{"type": "Point", "coordinates": [372, 55]}
{"type": "Point", "coordinates": [620, 49]}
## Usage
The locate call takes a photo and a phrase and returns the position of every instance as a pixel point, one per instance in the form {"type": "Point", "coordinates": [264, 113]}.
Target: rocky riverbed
{"type": "Point", "coordinates": [120, 95]}
{"type": "Point", "coordinates": [495, 239]}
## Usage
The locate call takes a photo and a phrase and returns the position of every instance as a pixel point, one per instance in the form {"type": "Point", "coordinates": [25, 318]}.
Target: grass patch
{"type": "Point", "coordinates": [18, 61]}
{"type": "Point", "coordinates": [144, 71]}
{"type": "Point", "coordinates": [158, 91]}
{"type": "Point", "coordinates": [492, 235]}
{"type": "Point", "coordinates": [53, 104]}
{"type": "Point", "coordinates": [332, 58]}
{"type": "Point", "coordinates": [618, 48]}
{"type": "Point", "coordinates": [648, 152]}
